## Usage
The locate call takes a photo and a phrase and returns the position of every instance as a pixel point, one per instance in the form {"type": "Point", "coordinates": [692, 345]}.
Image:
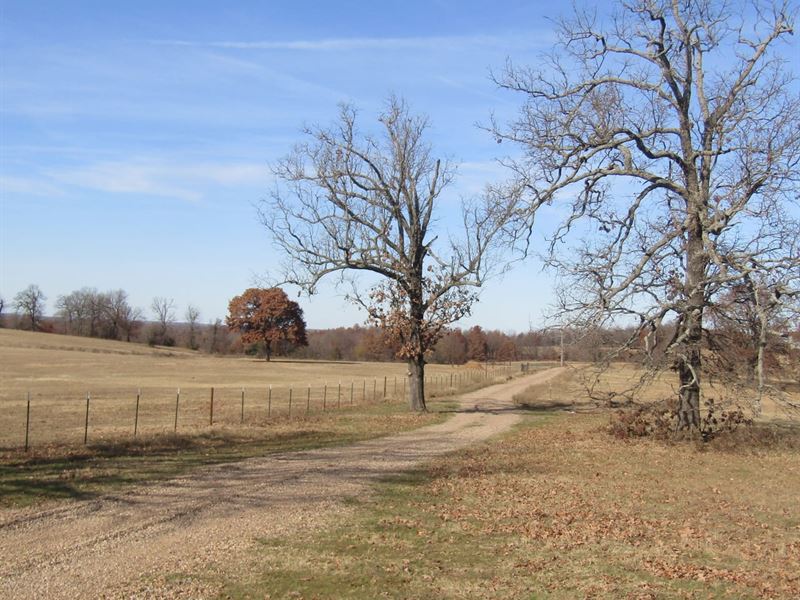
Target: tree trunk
{"type": "Point", "coordinates": [268, 350]}
{"type": "Point", "coordinates": [690, 362]}
{"type": "Point", "coordinates": [689, 394]}
{"type": "Point", "coordinates": [416, 384]}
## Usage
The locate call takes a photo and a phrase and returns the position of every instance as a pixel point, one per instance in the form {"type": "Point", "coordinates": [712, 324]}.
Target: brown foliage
{"type": "Point", "coordinates": [267, 316]}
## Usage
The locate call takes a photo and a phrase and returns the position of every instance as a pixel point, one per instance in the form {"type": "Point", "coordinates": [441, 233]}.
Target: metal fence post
{"type": "Point", "coordinates": [136, 413]}
{"type": "Point", "coordinates": [27, 421]}
{"type": "Point", "coordinates": [177, 400]}
{"type": "Point", "coordinates": [86, 422]}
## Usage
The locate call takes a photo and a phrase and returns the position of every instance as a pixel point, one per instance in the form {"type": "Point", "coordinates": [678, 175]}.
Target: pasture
{"type": "Point", "coordinates": [559, 508]}
{"type": "Point", "coordinates": [570, 391]}
{"type": "Point", "coordinates": [173, 388]}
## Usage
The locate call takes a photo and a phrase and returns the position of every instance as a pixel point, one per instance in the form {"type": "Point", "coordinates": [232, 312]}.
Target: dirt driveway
{"type": "Point", "coordinates": [154, 540]}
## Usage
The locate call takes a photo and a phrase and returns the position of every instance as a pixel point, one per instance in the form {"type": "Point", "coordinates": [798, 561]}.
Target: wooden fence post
{"type": "Point", "coordinates": [325, 397]}
{"type": "Point", "coordinates": [364, 391]}
{"type": "Point", "coordinates": [384, 387]}
{"type": "Point", "coordinates": [290, 402]}
{"type": "Point", "coordinates": [177, 400]}
{"type": "Point", "coordinates": [339, 396]}
{"type": "Point", "coordinates": [351, 392]}
{"type": "Point", "coordinates": [374, 389]}
{"type": "Point", "coordinates": [136, 413]}
{"type": "Point", "coordinates": [27, 421]}
{"type": "Point", "coordinates": [241, 419]}
{"type": "Point", "coordinates": [211, 409]}
{"type": "Point", "coordinates": [308, 399]}
{"type": "Point", "coordinates": [269, 403]}
{"type": "Point", "coordinates": [86, 422]}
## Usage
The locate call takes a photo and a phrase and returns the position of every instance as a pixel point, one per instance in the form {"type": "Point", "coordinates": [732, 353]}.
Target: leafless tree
{"type": "Point", "coordinates": [164, 311]}
{"type": "Point", "coordinates": [671, 131]}
{"type": "Point", "coordinates": [121, 317]}
{"type": "Point", "coordinates": [30, 303]}
{"type": "Point", "coordinates": [350, 201]}
{"type": "Point", "coordinates": [82, 311]}
{"type": "Point", "coordinates": [217, 340]}
{"type": "Point", "coordinates": [192, 315]}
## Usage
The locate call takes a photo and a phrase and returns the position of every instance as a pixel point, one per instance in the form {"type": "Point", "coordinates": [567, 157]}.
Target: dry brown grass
{"type": "Point", "coordinates": [59, 371]}
{"type": "Point", "coordinates": [569, 391]}
{"type": "Point", "coordinates": [560, 509]}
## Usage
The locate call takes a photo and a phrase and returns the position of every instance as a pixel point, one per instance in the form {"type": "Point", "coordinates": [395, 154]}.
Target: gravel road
{"type": "Point", "coordinates": [153, 541]}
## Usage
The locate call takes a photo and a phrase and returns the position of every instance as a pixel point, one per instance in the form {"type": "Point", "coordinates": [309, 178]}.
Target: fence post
{"type": "Point", "coordinates": [364, 392]}
{"type": "Point", "coordinates": [290, 402]}
{"type": "Point", "coordinates": [269, 402]}
{"type": "Point", "coordinates": [211, 409]}
{"type": "Point", "coordinates": [308, 399]}
{"type": "Point", "coordinates": [177, 400]}
{"type": "Point", "coordinates": [374, 389]}
{"type": "Point", "coordinates": [339, 396]}
{"type": "Point", "coordinates": [241, 419]}
{"type": "Point", "coordinates": [86, 422]}
{"type": "Point", "coordinates": [325, 397]}
{"type": "Point", "coordinates": [351, 392]}
{"type": "Point", "coordinates": [136, 413]}
{"type": "Point", "coordinates": [384, 387]}
{"type": "Point", "coordinates": [27, 421]}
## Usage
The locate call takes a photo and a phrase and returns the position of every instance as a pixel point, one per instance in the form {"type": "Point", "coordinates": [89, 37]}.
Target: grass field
{"type": "Point", "coordinates": [53, 473]}
{"type": "Point", "coordinates": [569, 391]}
{"type": "Point", "coordinates": [561, 509]}
{"type": "Point", "coordinates": [59, 371]}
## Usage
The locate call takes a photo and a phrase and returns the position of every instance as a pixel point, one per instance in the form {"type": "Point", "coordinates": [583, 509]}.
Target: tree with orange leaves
{"type": "Point", "coordinates": [268, 316]}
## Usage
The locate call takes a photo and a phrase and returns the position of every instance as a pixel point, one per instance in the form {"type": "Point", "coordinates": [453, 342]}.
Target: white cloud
{"type": "Point", "coordinates": [181, 181]}
{"type": "Point", "coordinates": [26, 185]}
{"type": "Point", "coordinates": [370, 43]}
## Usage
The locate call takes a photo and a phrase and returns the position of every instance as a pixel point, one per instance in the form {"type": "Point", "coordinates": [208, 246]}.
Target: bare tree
{"type": "Point", "coordinates": [164, 311]}
{"type": "Point", "coordinates": [355, 202]}
{"type": "Point", "coordinates": [192, 315]}
{"type": "Point", "coordinates": [673, 133]}
{"type": "Point", "coordinates": [121, 317]}
{"type": "Point", "coordinates": [30, 303]}
{"type": "Point", "coordinates": [217, 338]}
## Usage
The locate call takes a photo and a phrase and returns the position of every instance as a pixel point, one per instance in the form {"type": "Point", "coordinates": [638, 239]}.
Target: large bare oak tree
{"type": "Point", "coordinates": [670, 132]}
{"type": "Point", "coordinates": [354, 201]}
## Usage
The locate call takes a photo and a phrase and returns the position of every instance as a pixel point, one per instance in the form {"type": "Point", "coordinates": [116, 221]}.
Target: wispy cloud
{"type": "Point", "coordinates": [367, 43]}
{"type": "Point", "coordinates": [187, 182]}
{"type": "Point", "coordinates": [26, 185]}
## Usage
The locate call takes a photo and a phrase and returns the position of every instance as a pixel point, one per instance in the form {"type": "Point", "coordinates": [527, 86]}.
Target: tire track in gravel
{"type": "Point", "coordinates": [124, 545]}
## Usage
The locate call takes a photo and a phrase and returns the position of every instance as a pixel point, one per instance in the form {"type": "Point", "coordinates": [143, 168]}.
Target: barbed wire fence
{"type": "Point", "coordinates": [110, 413]}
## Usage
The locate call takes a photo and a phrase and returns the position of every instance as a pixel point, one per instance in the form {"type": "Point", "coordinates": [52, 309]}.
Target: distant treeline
{"type": "Point", "coordinates": [109, 315]}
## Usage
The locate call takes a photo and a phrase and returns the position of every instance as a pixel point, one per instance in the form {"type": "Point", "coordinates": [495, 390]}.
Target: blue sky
{"type": "Point", "coordinates": [136, 137]}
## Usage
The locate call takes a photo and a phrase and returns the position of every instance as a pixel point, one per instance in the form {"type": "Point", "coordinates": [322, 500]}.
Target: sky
{"type": "Point", "coordinates": [136, 138]}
